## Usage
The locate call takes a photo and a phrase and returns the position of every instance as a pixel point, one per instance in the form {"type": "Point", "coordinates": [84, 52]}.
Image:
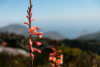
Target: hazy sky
{"type": "Point", "coordinates": [75, 15]}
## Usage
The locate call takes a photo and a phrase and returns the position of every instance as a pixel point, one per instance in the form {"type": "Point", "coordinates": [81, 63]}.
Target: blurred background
{"type": "Point", "coordinates": [73, 25]}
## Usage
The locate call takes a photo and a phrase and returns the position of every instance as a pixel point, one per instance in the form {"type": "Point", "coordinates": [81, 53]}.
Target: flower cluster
{"type": "Point", "coordinates": [56, 58]}
{"type": "Point", "coordinates": [32, 32]}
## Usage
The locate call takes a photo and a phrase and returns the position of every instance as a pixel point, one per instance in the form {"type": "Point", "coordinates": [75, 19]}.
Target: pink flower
{"type": "Point", "coordinates": [58, 61]}
{"type": "Point", "coordinates": [33, 29]}
{"type": "Point", "coordinates": [37, 33]}
{"type": "Point", "coordinates": [54, 59]}
{"type": "Point", "coordinates": [38, 43]}
{"type": "Point", "coordinates": [37, 50]}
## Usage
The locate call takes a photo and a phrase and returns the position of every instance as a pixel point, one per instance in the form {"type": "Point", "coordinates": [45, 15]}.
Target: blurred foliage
{"type": "Point", "coordinates": [76, 53]}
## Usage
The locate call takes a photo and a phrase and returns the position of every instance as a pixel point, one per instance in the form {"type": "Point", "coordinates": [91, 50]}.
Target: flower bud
{"type": "Point", "coordinates": [37, 50]}
{"type": "Point", "coordinates": [33, 29]}
{"type": "Point", "coordinates": [38, 43]}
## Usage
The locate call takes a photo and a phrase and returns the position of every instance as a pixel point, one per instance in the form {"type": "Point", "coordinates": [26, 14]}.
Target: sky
{"type": "Point", "coordinates": [69, 17]}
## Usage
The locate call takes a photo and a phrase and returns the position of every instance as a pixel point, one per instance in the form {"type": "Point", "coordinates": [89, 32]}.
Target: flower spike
{"type": "Point", "coordinates": [32, 32]}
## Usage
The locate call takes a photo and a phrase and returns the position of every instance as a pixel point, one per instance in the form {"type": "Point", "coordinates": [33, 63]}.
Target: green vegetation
{"type": "Point", "coordinates": [74, 56]}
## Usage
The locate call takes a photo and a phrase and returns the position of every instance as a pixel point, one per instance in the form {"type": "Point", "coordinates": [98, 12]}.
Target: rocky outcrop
{"type": "Point", "coordinates": [13, 51]}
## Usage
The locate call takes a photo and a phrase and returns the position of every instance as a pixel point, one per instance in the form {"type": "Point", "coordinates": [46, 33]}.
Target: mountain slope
{"type": "Point", "coordinates": [15, 28]}
{"type": "Point", "coordinates": [91, 36]}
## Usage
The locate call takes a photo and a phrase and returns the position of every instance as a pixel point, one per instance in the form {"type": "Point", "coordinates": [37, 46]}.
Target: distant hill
{"type": "Point", "coordinates": [21, 29]}
{"type": "Point", "coordinates": [13, 51]}
{"type": "Point", "coordinates": [91, 36]}
{"type": "Point", "coordinates": [54, 35]}
{"type": "Point", "coordinates": [15, 28]}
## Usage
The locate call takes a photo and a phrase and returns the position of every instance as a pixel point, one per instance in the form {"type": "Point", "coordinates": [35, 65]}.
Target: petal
{"type": "Point", "coordinates": [38, 43]}
{"type": "Point", "coordinates": [37, 50]}
{"type": "Point", "coordinates": [33, 29]}
{"type": "Point", "coordinates": [50, 58]}
{"type": "Point", "coordinates": [37, 33]}
{"type": "Point", "coordinates": [54, 59]}
{"type": "Point", "coordinates": [58, 61]}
